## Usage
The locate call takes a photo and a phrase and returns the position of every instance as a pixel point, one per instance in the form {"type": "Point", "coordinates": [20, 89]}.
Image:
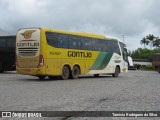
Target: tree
{"type": "Point", "coordinates": [144, 41]}
{"type": "Point", "coordinates": [144, 53]}
{"type": "Point", "coordinates": [151, 39]}
{"type": "Point", "coordinates": [156, 42]}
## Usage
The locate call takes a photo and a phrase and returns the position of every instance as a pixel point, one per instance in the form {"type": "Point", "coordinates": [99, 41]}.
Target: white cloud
{"type": "Point", "coordinates": [133, 19]}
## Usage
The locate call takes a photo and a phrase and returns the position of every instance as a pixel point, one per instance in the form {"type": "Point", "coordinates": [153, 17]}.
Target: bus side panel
{"type": "Point", "coordinates": [116, 60]}
{"type": "Point", "coordinates": [58, 57]}
{"type": "Point", "coordinates": [55, 66]}
{"type": "Point", "coordinates": [100, 63]}
{"type": "Point", "coordinates": [106, 63]}
{"type": "Point", "coordinates": [43, 50]}
{"type": "Point", "coordinates": [52, 67]}
{"type": "Point", "coordinates": [73, 62]}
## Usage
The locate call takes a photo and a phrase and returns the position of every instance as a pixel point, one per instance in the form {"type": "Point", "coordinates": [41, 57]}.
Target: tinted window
{"type": "Point", "coordinates": [2, 42]}
{"type": "Point", "coordinates": [86, 43]}
{"type": "Point", "coordinates": [10, 42]}
{"type": "Point", "coordinates": [106, 45]}
{"type": "Point", "coordinates": [124, 53]}
{"type": "Point", "coordinates": [115, 47]}
{"type": "Point", "coordinates": [94, 47]}
{"type": "Point", "coordinates": [62, 40]}
{"type": "Point", "coordinates": [100, 45]}
{"type": "Point", "coordinates": [122, 45]}
{"type": "Point", "coordinates": [52, 39]}
{"type": "Point", "coordinates": [77, 42]}
{"type": "Point", "coordinates": [74, 42]}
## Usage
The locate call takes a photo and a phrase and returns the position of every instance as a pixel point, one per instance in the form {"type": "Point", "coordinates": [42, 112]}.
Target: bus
{"type": "Point", "coordinates": [49, 52]}
{"type": "Point", "coordinates": [7, 53]}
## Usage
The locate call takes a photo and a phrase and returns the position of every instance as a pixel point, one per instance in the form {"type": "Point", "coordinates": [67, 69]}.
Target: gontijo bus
{"type": "Point", "coordinates": [45, 52]}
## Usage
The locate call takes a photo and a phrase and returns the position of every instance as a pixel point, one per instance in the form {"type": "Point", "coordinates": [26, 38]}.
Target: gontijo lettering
{"type": "Point", "coordinates": [28, 44]}
{"type": "Point", "coordinates": [79, 54]}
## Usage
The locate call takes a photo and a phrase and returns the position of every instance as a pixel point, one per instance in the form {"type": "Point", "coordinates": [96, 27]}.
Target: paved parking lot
{"type": "Point", "coordinates": [132, 91]}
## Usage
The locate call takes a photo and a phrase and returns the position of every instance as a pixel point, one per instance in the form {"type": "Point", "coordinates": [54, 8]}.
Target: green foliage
{"type": "Point", "coordinates": [147, 67]}
{"type": "Point", "coordinates": [145, 53]}
{"type": "Point", "coordinates": [151, 40]}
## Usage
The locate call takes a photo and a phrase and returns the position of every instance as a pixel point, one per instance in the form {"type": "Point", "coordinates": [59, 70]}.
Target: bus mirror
{"type": "Point", "coordinates": [127, 51]}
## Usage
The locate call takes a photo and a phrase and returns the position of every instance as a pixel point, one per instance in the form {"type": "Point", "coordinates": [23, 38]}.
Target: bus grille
{"type": "Point", "coordinates": [27, 51]}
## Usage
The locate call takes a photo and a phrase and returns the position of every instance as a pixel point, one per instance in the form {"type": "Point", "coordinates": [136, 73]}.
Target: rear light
{"type": "Point", "coordinates": [41, 61]}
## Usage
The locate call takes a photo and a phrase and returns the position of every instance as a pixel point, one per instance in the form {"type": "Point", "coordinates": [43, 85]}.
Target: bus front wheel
{"type": "Point", "coordinates": [41, 77]}
{"type": "Point", "coordinates": [65, 72]}
{"type": "Point", "coordinates": [75, 72]}
{"type": "Point", "coordinates": [96, 75]}
{"type": "Point", "coordinates": [117, 71]}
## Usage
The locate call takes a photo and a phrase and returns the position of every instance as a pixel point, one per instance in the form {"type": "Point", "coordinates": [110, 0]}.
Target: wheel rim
{"type": "Point", "coordinates": [65, 72]}
{"type": "Point", "coordinates": [117, 71]}
{"type": "Point", "coordinates": [75, 72]}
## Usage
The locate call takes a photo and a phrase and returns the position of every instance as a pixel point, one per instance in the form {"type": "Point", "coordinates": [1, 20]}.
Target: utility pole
{"type": "Point", "coordinates": [123, 37]}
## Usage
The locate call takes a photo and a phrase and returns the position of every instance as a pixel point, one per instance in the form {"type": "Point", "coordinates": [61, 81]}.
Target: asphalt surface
{"type": "Point", "coordinates": [132, 91]}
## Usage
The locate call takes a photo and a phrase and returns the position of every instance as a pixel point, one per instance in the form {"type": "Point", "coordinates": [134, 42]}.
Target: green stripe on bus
{"type": "Point", "coordinates": [102, 61]}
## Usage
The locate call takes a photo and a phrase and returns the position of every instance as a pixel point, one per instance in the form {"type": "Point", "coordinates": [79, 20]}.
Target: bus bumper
{"type": "Point", "coordinates": [31, 71]}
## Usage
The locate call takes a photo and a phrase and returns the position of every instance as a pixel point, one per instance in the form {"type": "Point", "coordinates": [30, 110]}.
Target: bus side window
{"type": "Point", "coordinates": [2, 43]}
{"type": "Point", "coordinates": [74, 42]}
{"type": "Point", "coordinates": [86, 43]}
{"type": "Point", "coordinates": [62, 41]}
{"type": "Point", "coordinates": [105, 46]}
{"type": "Point", "coordinates": [96, 44]}
{"type": "Point", "coordinates": [99, 45]}
{"type": "Point", "coordinates": [124, 51]}
{"type": "Point", "coordinates": [125, 56]}
{"type": "Point", "coordinates": [115, 47]}
{"type": "Point", "coordinates": [10, 42]}
{"type": "Point", "coordinates": [52, 39]}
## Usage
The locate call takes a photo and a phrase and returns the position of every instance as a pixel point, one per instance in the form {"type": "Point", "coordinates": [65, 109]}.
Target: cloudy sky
{"type": "Point", "coordinates": [132, 18]}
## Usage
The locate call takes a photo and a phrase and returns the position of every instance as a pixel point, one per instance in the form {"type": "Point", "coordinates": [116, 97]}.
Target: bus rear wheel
{"type": "Point", "coordinates": [117, 71]}
{"type": "Point", "coordinates": [75, 72]}
{"type": "Point", "coordinates": [65, 72]}
{"type": "Point", "coordinates": [1, 71]}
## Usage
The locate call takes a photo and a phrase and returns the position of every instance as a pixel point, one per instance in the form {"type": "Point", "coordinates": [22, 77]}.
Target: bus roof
{"type": "Point", "coordinates": [114, 38]}
{"type": "Point", "coordinates": [76, 33]}
{"type": "Point", "coordinates": [85, 34]}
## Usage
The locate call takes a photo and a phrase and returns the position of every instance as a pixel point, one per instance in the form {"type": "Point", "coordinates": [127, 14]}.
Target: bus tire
{"type": "Point", "coordinates": [96, 75]}
{"type": "Point", "coordinates": [41, 77]}
{"type": "Point", "coordinates": [65, 72]}
{"type": "Point", "coordinates": [75, 72]}
{"type": "Point", "coordinates": [1, 71]}
{"type": "Point", "coordinates": [117, 71]}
